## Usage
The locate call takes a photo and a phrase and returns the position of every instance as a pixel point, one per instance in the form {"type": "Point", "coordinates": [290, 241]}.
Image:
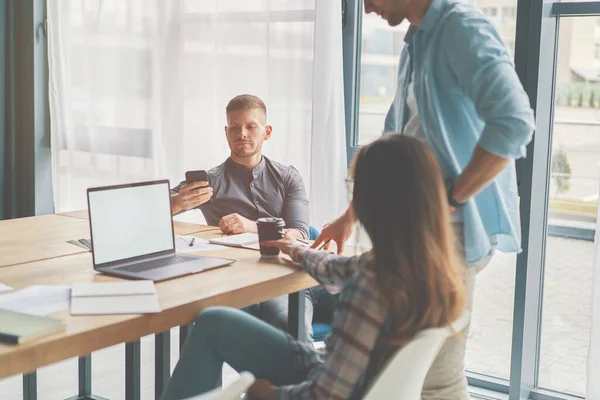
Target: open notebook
{"type": "Point", "coordinates": [245, 240]}
{"type": "Point", "coordinates": [137, 297]}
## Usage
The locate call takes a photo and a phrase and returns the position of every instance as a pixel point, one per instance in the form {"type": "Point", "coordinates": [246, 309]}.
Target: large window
{"type": "Point", "coordinates": [381, 48]}
{"type": "Point", "coordinates": [531, 310]}
{"type": "Point", "coordinates": [574, 182]}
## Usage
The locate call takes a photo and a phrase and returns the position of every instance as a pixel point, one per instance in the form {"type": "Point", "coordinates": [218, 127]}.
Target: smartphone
{"type": "Point", "coordinates": [195, 176]}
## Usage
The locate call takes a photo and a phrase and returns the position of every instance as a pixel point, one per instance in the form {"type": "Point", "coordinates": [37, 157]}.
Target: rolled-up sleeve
{"type": "Point", "coordinates": [295, 205]}
{"type": "Point", "coordinates": [177, 188]}
{"type": "Point", "coordinates": [483, 68]}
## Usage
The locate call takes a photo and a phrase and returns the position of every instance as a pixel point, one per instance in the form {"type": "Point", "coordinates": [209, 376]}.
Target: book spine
{"type": "Point", "coordinates": [9, 339]}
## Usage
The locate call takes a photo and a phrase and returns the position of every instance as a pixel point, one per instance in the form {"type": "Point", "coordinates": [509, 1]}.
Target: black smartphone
{"type": "Point", "coordinates": [195, 176]}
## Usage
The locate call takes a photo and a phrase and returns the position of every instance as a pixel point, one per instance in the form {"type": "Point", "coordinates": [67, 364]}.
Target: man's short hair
{"type": "Point", "coordinates": [245, 102]}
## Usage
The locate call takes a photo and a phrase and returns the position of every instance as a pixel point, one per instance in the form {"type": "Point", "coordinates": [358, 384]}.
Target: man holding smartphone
{"type": "Point", "coordinates": [249, 186]}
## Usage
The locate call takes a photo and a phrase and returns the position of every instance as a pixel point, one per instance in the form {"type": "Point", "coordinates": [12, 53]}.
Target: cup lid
{"type": "Point", "coordinates": [270, 220]}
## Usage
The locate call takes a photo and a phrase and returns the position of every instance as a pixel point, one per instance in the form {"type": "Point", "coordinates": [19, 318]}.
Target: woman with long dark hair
{"type": "Point", "coordinates": [408, 282]}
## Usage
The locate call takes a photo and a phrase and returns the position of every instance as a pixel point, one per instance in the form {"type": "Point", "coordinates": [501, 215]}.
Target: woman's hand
{"type": "Point", "coordinates": [262, 389]}
{"type": "Point", "coordinates": [286, 244]}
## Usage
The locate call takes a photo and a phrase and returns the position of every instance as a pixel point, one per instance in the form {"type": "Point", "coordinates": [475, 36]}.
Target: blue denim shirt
{"type": "Point", "coordinates": [468, 93]}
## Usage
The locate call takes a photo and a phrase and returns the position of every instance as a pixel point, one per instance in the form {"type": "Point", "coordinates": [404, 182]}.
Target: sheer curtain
{"type": "Point", "coordinates": [139, 89]}
{"type": "Point", "coordinates": [593, 369]}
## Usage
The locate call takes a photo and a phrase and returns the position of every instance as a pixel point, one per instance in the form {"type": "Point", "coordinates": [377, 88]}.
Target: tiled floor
{"type": "Point", "coordinates": [566, 316]}
{"type": "Point", "coordinates": [565, 332]}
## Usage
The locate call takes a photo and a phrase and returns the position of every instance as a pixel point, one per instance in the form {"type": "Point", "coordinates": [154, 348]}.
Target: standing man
{"type": "Point", "coordinates": [458, 90]}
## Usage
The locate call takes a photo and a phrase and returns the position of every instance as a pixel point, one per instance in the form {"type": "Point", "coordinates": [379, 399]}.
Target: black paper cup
{"type": "Point", "coordinates": [269, 229]}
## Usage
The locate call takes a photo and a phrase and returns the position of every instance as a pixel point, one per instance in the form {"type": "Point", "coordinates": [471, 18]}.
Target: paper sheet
{"type": "Point", "coordinates": [182, 245]}
{"type": "Point", "coordinates": [4, 288]}
{"type": "Point", "coordinates": [38, 300]}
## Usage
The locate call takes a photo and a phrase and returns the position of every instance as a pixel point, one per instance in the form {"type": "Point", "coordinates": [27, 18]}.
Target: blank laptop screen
{"type": "Point", "coordinates": [130, 222]}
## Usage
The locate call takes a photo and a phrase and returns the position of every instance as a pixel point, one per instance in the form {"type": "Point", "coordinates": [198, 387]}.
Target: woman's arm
{"type": "Point", "coordinates": [329, 270]}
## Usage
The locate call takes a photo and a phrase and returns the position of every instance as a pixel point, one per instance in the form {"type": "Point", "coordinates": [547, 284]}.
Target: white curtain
{"type": "Point", "coordinates": [139, 89]}
{"type": "Point", "coordinates": [593, 366]}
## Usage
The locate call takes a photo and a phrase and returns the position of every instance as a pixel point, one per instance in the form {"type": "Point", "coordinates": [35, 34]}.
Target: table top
{"type": "Point", "coordinates": [24, 240]}
{"type": "Point", "coordinates": [180, 228]}
{"type": "Point", "coordinates": [249, 280]}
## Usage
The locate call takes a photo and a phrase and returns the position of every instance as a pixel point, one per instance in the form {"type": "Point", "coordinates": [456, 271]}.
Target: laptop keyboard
{"type": "Point", "coordinates": [153, 264]}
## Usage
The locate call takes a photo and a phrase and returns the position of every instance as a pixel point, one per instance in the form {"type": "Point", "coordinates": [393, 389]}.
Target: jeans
{"type": "Point", "coordinates": [246, 343]}
{"type": "Point", "coordinates": [319, 304]}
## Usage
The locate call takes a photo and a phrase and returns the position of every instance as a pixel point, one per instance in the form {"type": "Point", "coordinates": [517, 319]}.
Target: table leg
{"type": "Point", "coordinates": [30, 386]}
{"type": "Point", "coordinates": [184, 330]}
{"type": "Point", "coordinates": [296, 313]}
{"type": "Point", "coordinates": [132, 371]}
{"type": "Point", "coordinates": [162, 362]}
{"type": "Point", "coordinates": [85, 380]}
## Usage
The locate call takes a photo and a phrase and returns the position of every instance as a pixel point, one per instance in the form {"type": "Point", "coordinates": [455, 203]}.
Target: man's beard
{"type": "Point", "coordinates": [247, 153]}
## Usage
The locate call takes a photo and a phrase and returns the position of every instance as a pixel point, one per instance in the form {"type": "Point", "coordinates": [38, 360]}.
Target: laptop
{"type": "Point", "coordinates": [132, 233]}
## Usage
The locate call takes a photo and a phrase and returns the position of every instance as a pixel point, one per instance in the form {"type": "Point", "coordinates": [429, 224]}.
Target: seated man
{"type": "Point", "coordinates": [248, 186]}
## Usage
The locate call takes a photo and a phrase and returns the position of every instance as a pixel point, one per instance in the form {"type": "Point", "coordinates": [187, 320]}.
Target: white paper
{"type": "Point", "coordinates": [4, 288]}
{"type": "Point", "coordinates": [38, 300]}
{"type": "Point", "coordinates": [182, 245]}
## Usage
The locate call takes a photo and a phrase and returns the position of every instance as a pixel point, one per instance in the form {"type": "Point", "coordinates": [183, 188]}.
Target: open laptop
{"type": "Point", "coordinates": [132, 233]}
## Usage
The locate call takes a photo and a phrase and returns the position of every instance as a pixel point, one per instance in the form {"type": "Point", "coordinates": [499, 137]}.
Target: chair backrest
{"type": "Point", "coordinates": [231, 392]}
{"type": "Point", "coordinates": [404, 375]}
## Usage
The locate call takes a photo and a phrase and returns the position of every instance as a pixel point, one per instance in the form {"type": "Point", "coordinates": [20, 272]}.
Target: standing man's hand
{"type": "Point", "coordinates": [233, 224]}
{"type": "Point", "coordinates": [191, 196]}
{"type": "Point", "coordinates": [339, 231]}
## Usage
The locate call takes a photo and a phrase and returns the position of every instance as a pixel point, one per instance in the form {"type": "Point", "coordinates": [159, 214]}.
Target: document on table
{"type": "Point", "coordinates": [182, 244]}
{"type": "Point", "coordinates": [4, 288]}
{"type": "Point", "coordinates": [37, 300]}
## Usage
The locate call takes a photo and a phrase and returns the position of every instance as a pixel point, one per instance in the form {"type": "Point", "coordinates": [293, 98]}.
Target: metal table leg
{"type": "Point", "coordinates": [296, 313]}
{"type": "Point", "coordinates": [85, 380]}
{"type": "Point", "coordinates": [162, 362]}
{"type": "Point", "coordinates": [30, 386]}
{"type": "Point", "coordinates": [132, 371]}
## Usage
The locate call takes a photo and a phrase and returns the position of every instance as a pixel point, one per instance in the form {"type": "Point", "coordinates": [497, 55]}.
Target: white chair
{"type": "Point", "coordinates": [231, 392]}
{"type": "Point", "coordinates": [404, 375]}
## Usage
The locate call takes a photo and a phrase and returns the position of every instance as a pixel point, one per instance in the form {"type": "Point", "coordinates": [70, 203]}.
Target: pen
{"type": "Point", "coordinates": [192, 242]}
{"type": "Point", "coordinates": [324, 244]}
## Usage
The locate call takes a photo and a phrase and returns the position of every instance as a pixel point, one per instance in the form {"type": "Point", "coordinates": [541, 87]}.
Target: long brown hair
{"type": "Point", "coordinates": [399, 197]}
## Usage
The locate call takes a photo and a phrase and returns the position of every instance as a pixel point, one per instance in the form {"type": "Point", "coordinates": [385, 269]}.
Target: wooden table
{"type": "Point", "coordinates": [248, 281]}
{"type": "Point", "coordinates": [180, 228]}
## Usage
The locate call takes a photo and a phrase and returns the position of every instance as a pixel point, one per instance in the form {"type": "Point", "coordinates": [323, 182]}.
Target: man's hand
{"type": "Point", "coordinates": [339, 231]}
{"type": "Point", "coordinates": [286, 244]}
{"type": "Point", "coordinates": [233, 224]}
{"type": "Point", "coordinates": [191, 196]}
{"type": "Point", "coordinates": [262, 389]}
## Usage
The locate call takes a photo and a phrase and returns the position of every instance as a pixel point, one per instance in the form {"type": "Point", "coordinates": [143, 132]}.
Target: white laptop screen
{"type": "Point", "coordinates": [130, 221]}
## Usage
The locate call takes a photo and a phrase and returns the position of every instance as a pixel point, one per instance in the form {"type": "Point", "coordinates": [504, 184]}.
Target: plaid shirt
{"type": "Point", "coordinates": [341, 370]}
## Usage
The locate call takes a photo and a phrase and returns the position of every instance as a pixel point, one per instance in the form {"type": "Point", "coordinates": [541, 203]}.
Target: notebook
{"type": "Point", "coordinates": [138, 297]}
{"type": "Point", "coordinates": [18, 328]}
{"type": "Point", "coordinates": [245, 240]}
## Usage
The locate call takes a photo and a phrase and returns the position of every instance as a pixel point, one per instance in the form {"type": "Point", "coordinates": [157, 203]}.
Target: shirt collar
{"type": "Point", "coordinates": [430, 19]}
{"type": "Point", "coordinates": [243, 170]}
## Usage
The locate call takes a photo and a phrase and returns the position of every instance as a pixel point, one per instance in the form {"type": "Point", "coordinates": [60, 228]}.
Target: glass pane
{"type": "Point", "coordinates": [573, 201]}
{"type": "Point", "coordinates": [381, 48]}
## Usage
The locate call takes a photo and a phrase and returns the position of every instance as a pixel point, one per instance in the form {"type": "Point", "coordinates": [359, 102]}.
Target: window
{"type": "Point", "coordinates": [381, 48]}
{"type": "Point", "coordinates": [574, 183]}
{"type": "Point", "coordinates": [509, 15]}
{"type": "Point", "coordinates": [491, 12]}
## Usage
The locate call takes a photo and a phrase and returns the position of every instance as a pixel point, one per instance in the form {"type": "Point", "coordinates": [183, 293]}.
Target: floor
{"type": "Point", "coordinates": [565, 332]}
